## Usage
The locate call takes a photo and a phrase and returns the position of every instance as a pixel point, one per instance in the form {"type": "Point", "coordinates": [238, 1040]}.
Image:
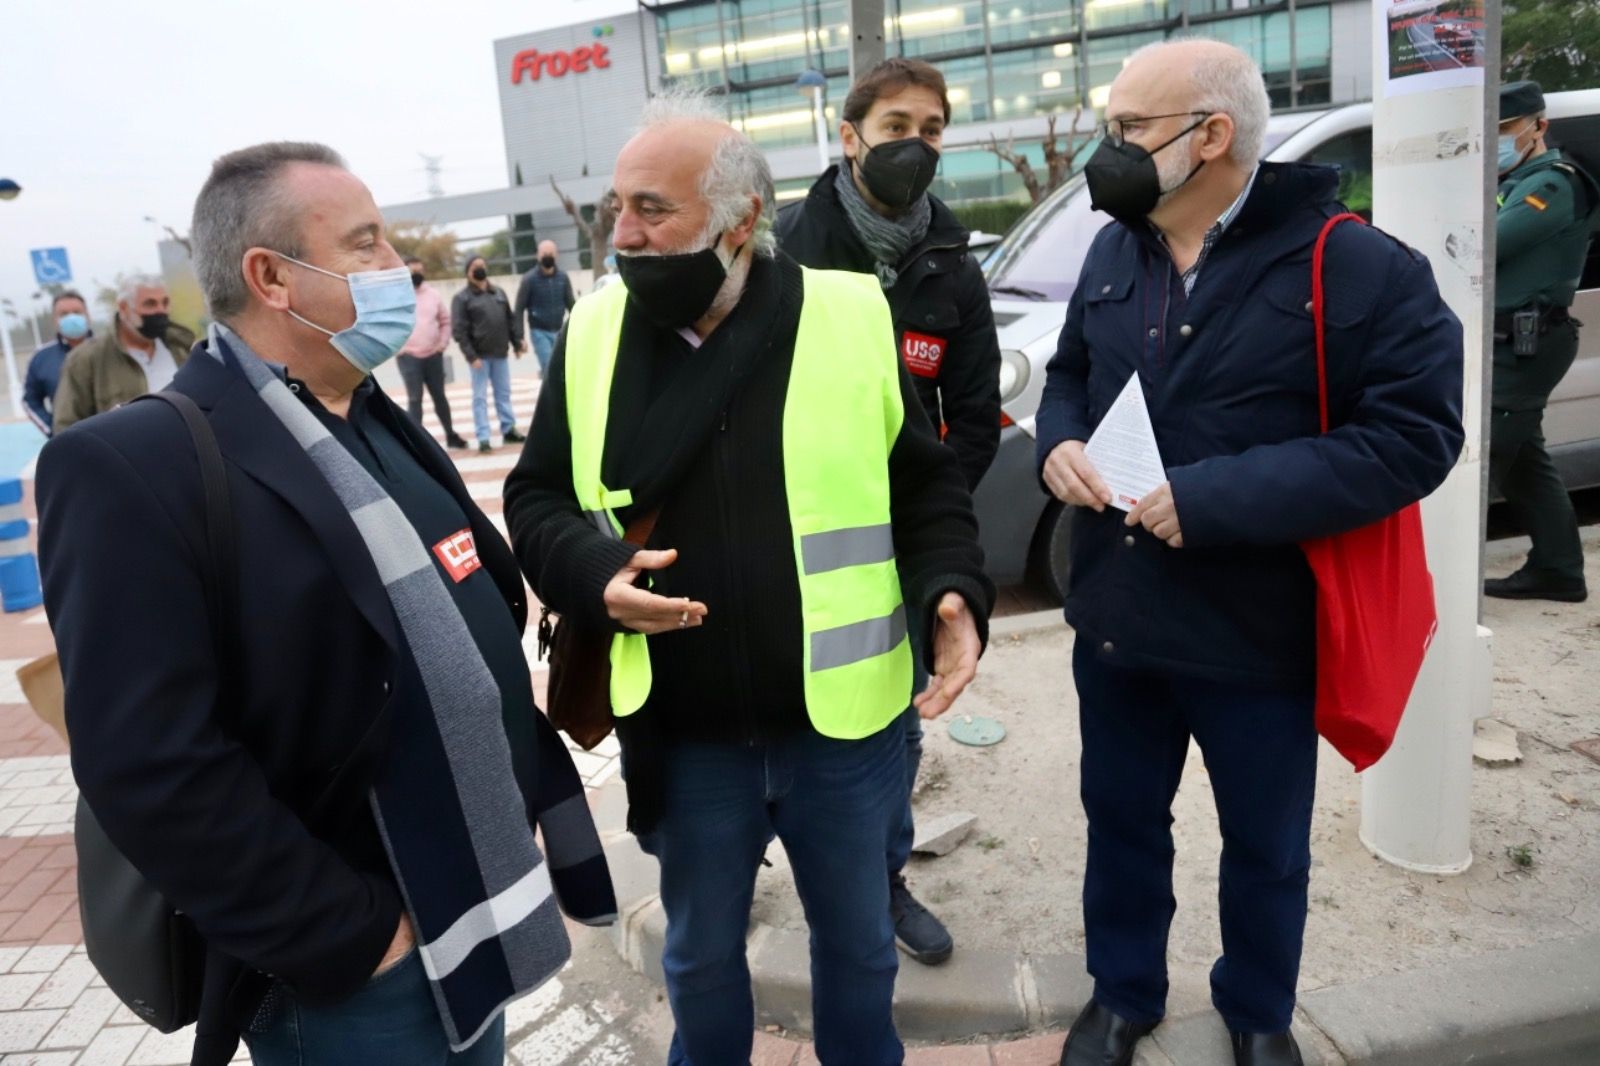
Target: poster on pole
{"type": "Point", "coordinates": [1433, 44]}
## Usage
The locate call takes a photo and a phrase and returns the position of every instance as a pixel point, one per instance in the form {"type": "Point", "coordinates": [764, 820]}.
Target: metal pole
{"type": "Point", "coordinates": [1416, 802]}
{"type": "Point", "coordinates": [822, 130]}
{"type": "Point", "coordinates": [722, 53]}
{"type": "Point", "coordinates": [1294, 66]}
{"type": "Point", "coordinates": [13, 381]}
{"type": "Point", "coordinates": [866, 36]}
{"type": "Point", "coordinates": [988, 61]}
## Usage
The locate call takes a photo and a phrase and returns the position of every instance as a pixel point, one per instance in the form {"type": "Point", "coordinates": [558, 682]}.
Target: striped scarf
{"type": "Point", "coordinates": [887, 239]}
{"type": "Point", "coordinates": [447, 803]}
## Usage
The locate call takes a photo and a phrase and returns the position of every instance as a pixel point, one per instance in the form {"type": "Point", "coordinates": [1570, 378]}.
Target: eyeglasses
{"type": "Point", "coordinates": [1116, 130]}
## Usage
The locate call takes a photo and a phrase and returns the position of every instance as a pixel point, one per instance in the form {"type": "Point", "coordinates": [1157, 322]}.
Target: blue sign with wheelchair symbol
{"type": "Point", "coordinates": [50, 266]}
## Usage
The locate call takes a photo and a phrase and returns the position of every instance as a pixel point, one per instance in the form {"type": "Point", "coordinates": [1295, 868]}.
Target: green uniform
{"type": "Point", "coordinates": [1546, 210]}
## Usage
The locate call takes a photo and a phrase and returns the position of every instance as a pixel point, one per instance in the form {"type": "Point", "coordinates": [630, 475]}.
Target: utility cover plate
{"type": "Point", "coordinates": [976, 731]}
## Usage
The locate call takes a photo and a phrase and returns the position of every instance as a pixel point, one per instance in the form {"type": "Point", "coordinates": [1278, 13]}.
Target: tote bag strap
{"type": "Point", "coordinates": [1317, 320]}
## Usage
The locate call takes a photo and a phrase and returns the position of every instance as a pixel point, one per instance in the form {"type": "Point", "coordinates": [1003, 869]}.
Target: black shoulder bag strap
{"type": "Point", "coordinates": [148, 952]}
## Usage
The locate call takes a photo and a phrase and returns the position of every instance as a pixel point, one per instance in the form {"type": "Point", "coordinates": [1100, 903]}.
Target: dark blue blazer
{"type": "Point", "coordinates": [1230, 377]}
{"type": "Point", "coordinates": [208, 798]}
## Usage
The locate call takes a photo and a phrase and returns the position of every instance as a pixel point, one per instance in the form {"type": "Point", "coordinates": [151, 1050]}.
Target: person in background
{"type": "Point", "coordinates": [487, 331]}
{"type": "Point", "coordinates": [44, 369]}
{"type": "Point", "coordinates": [1548, 206]}
{"type": "Point", "coordinates": [140, 353]}
{"type": "Point", "coordinates": [545, 296]}
{"type": "Point", "coordinates": [421, 361]}
{"type": "Point", "coordinates": [1194, 609]}
{"type": "Point", "coordinates": [874, 215]}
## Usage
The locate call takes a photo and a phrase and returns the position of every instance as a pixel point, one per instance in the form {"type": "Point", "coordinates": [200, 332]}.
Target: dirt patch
{"type": "Point", "coordinates": [1015, 884]}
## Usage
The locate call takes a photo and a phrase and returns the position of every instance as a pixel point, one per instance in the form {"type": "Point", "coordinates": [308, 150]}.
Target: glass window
{"type": "Point", "coordinates": [1104, 14]}
{"type": "Point", "coordinates": [1352, 154]}
{"type": "Point", "coordinates": [1036, 81]}
{"type": "Point", "coordinates": [1014, 21]}
{"type": "Point", "coordinates": [931, 27]}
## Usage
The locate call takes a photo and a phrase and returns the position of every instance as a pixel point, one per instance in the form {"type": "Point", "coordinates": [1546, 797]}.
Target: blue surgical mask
{"type": "Point", "coordinates": [73, 325]}
{"type": "Point", "coordinates": [386, 313]}
{"type": "Point", "coordinates": [1510, 157]}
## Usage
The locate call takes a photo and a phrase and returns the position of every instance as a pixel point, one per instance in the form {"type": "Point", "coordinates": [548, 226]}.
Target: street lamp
{"type": "Point", "coordinates": [812, 84]}
{"type": "Point", "coordinates": [9, 189]}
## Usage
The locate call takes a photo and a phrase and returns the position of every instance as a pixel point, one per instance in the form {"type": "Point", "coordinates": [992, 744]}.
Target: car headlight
{"type": "Point", "coordinates": [1014, 374]}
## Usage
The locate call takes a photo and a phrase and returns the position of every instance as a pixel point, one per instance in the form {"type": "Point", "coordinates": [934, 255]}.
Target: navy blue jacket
{"type": "Point", "coordinates": [39, 386]}
{"type": "Point", "coordinates": [1230, 378]}
{"type": "Point", "coordinates": [203, 794]}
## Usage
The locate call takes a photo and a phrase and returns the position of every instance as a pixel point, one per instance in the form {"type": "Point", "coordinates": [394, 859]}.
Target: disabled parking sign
{"type": "Point", "coordinates": [50, 266]}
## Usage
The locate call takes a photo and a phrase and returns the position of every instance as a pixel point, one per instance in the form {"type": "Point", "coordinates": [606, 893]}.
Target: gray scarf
{"type": "Point", "coordinates": [887, 239]}
{"type": "Point", "coordinates": [474, 882]}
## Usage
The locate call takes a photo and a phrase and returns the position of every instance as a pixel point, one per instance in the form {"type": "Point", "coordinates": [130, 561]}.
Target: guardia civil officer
{"type": "Point", "coordinates": [1547, 211]}
{"type": "Point", "coordinates": [873, 214]}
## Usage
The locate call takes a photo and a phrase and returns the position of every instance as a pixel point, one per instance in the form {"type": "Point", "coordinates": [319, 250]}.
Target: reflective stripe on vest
{"type": "Point", "coordinates": [841, 415]}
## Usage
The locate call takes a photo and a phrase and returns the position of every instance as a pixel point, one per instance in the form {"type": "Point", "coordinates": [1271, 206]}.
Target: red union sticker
{"type": "Point", "coordinates": [922, 353]}
{"type": "Point", "coordinates": [459, 555]}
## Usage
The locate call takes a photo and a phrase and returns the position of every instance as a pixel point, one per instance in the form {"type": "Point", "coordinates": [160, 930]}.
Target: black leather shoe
{"type": "Point", "coordinates": [455, 440]}
{"type": "Point", "coordinates": [513, 437]}
{"type": "Point", "coordinates": [916, 930]}
{"type": "Point", "coordinates": [1100, 1038]}
{"type": "Point", "coordinates": [1265, 1049]}
{"type": "Point", "coordinates": [1524, 585]}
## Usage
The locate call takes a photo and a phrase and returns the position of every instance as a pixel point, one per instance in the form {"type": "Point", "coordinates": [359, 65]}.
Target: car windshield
{"type": "Point", "coordinates": [1039, 258]}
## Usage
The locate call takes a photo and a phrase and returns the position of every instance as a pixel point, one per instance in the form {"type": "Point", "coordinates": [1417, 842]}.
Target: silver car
{"type": "Point", "coordinates": [1032, 272]}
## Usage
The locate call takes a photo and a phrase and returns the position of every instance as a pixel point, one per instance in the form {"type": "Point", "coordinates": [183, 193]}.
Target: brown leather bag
{"type": "Point", "coordinates": [578, 697]}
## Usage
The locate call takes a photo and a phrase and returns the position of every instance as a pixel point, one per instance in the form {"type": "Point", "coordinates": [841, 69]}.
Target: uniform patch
{"type": "Point", "coordinates": [459, 555]}
{"type": "Point", "coordinates": [1534, 202]}
{"type": "Point", "coordinates": [922, 353]}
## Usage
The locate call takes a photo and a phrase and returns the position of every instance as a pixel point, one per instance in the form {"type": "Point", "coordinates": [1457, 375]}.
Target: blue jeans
{"type": "Point", "coordinates": [496, 372]}
{"type": "Point", "coordinates": [544, 342]}
{"type": "Point", "coordinates": [833, 804]}
{"type": "Point", "coordinates": [905, 833]}
{"type": "Point", "coordinates": [1260, 749]}
{"type": "Point", "coordinates": [392, 1021]}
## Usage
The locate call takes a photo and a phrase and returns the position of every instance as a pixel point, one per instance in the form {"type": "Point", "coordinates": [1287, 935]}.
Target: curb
{"type": "Point", "coordinates": [1492, 1010]}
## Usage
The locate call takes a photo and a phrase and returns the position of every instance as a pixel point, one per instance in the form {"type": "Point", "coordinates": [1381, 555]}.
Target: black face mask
{"type": "Point", "coordinates": [547, 261]}
{"type": "Point", "coordinates": [480, 274]}
{"type": "Point", "coordinates": [416, 280]}
{"type": "Point", "coordinates": [1123, 179]}
{"type": "Point", "coordinates": [674, 291]}
{"type": "Point", "coordinates": [897, 173]}
{"type": "Point", "coordinates": [154, 326]}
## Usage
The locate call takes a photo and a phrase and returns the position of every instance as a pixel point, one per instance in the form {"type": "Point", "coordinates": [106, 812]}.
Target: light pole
{"type": "Point", "coordinates": [812, 84]}
{"type": "Point", "coordinates": [13, 382]}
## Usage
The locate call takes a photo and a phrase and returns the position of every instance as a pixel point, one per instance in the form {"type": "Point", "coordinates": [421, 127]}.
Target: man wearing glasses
{"type": "Point", "coordinates": [1193, 605]}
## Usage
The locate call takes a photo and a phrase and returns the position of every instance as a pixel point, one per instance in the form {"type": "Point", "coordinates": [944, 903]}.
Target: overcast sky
{"type": "Point", "coordinates": [111, 110]}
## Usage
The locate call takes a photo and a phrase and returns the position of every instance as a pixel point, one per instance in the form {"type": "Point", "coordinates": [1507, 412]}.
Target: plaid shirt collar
{"type": "Point", "coordinates": [1213, 234]}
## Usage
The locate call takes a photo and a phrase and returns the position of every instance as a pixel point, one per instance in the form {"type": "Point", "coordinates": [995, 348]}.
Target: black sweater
{"type": "Point", "coordinates": [699, 433]}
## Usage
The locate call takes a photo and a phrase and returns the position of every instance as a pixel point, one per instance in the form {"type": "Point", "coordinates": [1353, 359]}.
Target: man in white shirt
{"type": "Point", "coordinates": [139, 354]}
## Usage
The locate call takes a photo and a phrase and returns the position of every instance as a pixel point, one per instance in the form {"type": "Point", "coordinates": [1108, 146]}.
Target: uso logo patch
{"type": "Point", "coordinates": [459, 555]}
{"type": "Point", "coordinates": [922, 353]}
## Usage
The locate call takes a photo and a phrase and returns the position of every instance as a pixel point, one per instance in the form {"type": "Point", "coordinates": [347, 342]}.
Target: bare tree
{"type": "Point", "coordinates": [598, 230]}
{"type": "Point", "coordinates": [1057, 159]}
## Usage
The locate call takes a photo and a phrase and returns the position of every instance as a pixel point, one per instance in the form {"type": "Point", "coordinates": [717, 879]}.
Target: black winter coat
{"type": "Point", "coordinates": [942, 317]}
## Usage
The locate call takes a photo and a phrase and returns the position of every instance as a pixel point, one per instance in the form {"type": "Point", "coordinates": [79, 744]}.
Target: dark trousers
{"type": "Point", "coordinates": [417, 373]}
{"type": "Point", "coordinates": [1260, 749]}
{"type": "Point", "coordinates": [833, 803]}
{"type": "Point", "coordinates": [1521, 470]}
{"type": "Point", "coordinates": [905, 833]}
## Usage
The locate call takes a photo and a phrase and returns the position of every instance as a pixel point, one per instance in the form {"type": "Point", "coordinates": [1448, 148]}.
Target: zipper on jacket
{"type": "Point", "coordinates": [727, 516]}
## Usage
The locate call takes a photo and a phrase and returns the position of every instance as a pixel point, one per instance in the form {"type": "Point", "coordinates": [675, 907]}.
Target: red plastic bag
{"type": "Point", "coordinates": [1375, 608]}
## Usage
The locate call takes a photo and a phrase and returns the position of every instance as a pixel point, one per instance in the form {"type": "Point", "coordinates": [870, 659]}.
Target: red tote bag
{"type": "Point", "coordinates": [1375, 606]}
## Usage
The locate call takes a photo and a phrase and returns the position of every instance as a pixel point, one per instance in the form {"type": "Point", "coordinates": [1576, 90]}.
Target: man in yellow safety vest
{"type": "Point", "coordinates": [749, 422]}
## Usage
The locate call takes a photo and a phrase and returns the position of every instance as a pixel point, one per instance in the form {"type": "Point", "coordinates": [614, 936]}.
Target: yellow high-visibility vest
{"type": "Point", "coordinates": [841, 415]}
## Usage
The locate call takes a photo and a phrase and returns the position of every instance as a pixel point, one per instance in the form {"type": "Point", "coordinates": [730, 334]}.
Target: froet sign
{"type": "Point", "coordinates": [557, 63]}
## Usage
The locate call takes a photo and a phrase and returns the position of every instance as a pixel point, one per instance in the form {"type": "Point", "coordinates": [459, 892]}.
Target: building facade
{"type": "Point", "coordinates": [569, 96]}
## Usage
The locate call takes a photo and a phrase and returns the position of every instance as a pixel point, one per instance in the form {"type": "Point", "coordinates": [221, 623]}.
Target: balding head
{"type": "Point", "coordinates": [1196, 75]}
{"type": "Point", "coordinates": [686, 177]}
